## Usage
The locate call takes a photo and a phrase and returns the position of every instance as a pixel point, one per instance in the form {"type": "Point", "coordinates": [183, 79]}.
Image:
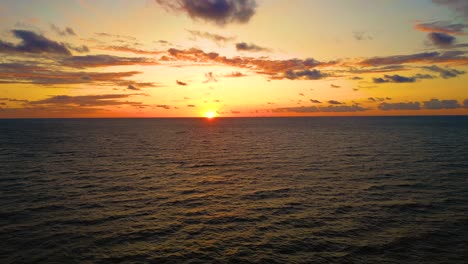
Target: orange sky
{"type": "Point", "coordinates": [186, 58]}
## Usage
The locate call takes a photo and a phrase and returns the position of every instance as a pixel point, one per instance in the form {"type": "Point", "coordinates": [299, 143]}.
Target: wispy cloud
{"type": "Point", "coordinates": [243, 46]}
{"type": "Point", "coordinates": [210, 77]}
{"type": "Point", "coordinates": [130, 50]}
{"type": "Point", "coordinates": [334, 102]}
{"type": "Point", "coordinates": [362, 35]}
{"type": "Point", "coordinates": [67, 31]}
{"type": "Point", "coordinates": [67, 105]}
{"type": "Point", "coordinates": [104, 60]}
{"type": "Point", "coordinates": [87, 100]}
{"type": "Point", "coordinates": [218, 39]}
{"type": "Point", "coordinates": [378, 99]}
{"type": "Point", "coordinates": [235, 74]}
{"type": "Point", "coordinates": [132, 87]}
{"type": "Point", "coordinates": [455, 57]}
{"type": "Point", "coordinates": [108, 35]}
{"type": "Point", "coordinates": [31, 73]}
{"type": "Point", "coordinates": [442, 27]}
{"type": "Point", "coordinates": [163, 106]}
{"type": "Point", "coordinates": [446, 72]}
{"type": "Point", "coordinates": [401, 79]}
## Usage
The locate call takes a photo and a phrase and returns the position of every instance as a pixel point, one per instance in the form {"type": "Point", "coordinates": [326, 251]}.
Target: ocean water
{"type": "Point", "coordinates": [234, 190]}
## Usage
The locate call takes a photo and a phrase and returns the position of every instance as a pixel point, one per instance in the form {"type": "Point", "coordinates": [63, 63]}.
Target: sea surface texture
{"type": "Point", "coordinates": [234, 190]}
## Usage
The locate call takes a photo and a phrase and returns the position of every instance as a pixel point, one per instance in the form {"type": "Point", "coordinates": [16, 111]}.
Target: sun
{"type": "Point", "coordinates": [210, 114]}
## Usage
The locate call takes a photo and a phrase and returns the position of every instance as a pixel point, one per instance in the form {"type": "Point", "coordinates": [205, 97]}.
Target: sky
{"type": "Point", "coordinates": [232, 58]}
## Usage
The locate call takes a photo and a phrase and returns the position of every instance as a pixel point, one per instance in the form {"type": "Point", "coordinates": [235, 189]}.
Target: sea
{"type": "Point", "coordinates": [234, 190]}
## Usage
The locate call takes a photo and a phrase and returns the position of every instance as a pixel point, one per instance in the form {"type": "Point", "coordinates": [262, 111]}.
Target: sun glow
{"type": "Point", "coordinates": [210, 114]}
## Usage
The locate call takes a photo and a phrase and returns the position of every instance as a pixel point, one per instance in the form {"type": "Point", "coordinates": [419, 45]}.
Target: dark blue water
{"type": "Point", "coordinates": [259, 190]}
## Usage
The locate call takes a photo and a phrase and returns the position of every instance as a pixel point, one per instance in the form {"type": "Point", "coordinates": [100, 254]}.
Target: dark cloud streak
{"type": "Point", "coordinates": [32, 42]}
{"type": "Point", "coordinates": [68, 31]}
{"type": "Point", "coordinates": [218, 39]}
{"type": "Point", "coordinates": [243, 46]}
{"type": "Point", "coordinates": [436, 104]}
{"type": "Point", "coordinates": [400, 106]}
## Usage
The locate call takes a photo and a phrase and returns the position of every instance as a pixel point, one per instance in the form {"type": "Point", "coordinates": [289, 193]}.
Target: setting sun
{"type": "Point", "coordinates": [210, 114]}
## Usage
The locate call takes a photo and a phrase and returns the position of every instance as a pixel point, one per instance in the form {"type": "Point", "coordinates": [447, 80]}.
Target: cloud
{"type": "Point", "coordinates": [5, 99]}
{"type": "Point", "coordinates": [423, 76]}
{"type": "Point", "coordinates": [137, 85]}
{"type": "Point", "coordinates": [80, 49]}
{"type": "Point", "coordinates": [277, 69]}
{"type": "Point", "coordinates": [191, 105]}
{"type": "Point", "coordinates": [362, 35]}
{"type": "Point", "coordinates": [394, 78]}
{"type": "Point", "coordinates": [181, 83]}
{"type": "Point", "coordinates": [343, 108]}
{"type": "Point", "coordinates": [164, 106]}
{"type": "Point", "coordinates": [68, 31]}
{"type": "Point", "coordinates": [445, 73]}
{"type": "Point", "coordinates": [334, 102]}
{"type": "Point", "coordinates": [305, 74]}
{"type": "Point", "coordinates": [132, 87]}
{"type": "Point", "coordinates": [435, 104]}
{"type": "Point", "coordinates": [458, 6]}
{"type": "Point", "coordinates": [378, 99]}
{"type": "Point", "coordinates": [218, 39]}
{"type": "Point", "coordinates": [300, 109]}
{"type": "Point", "coordinates": [425, 57]}
{"type": "Point", "coordinates": [210, 77]}
{"type": "Point", "coordinates": [242, 46]}
{"type": "Point", "coordinates": [220, 12]}
{"type": "Point", "coordinates": [334, 86]}
{"type": "Point", "coordinates": [442, 27]}
{"type": "Point", "coordinates": [387, 68]}
{"type": "Point", "coordinates": [235, 74]}
{"type": "Point", "coordinates": [316, 109]}
{"type": "Point", "coordinates": [400, 106]}
{"type": "Point", "coordinates": [31, 73]}
{"type": "Point", "coordinates": [130, 50]}
{"type": "Point", "coordinates": [315, 101]}
{"type": "Point", "coordinates": [441, 40]}
{"type": "Point", "coordinates": [104, 60]}
{"type": "Point", "coordinates": [103, 34]}
{"type": "Point", "coordinates": [163, 42]}
{"type": "Point", "coordinates": [401, 79]}
{"type": "Point", "coordinates": [87, 100]}
{"type": "Point", "coordinates": [32, 42]}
